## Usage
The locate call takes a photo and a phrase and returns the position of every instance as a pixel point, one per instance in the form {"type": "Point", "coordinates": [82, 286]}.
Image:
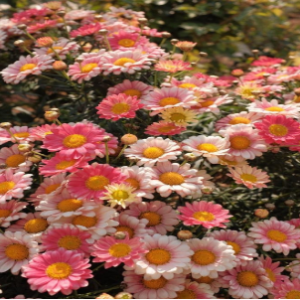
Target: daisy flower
{"type": "Point", "coordinates": [88, 29]}
{"type": "Point", "coordinates": [265, 61]}
{"type": "Point", "coordinates": [243, 247]}
{"type": "Point", "coordinates": [213, 283]}
{"type": "Point", "coordinates": [248, 90]}
{"type": "Point", "coordinates": [204, 213]}
{"type": "Point", "coordinates": [179, 116]}
{"type": "Point", "coordinates": [275, 235]}
{"type": "Point", "coordinates": [17, 134]}
{"type": "Point", "coordinates": [250, 177]}
{"type": "Point", "coordinates": [210, 257]}
{"type": "Point", "coordinates": [161, 217]}
{"type": "Point", "coordinates": [165, 256]}
{"type": "Point", "coordinates": [296, 223]}
{"type": "Point", "coordinates": [78, 14]}
{"type": "Point", "coordinates": [114, 252]}
{"type": "Point", "coordinates": [188, 82]}
{"type": "Point", "coordinates": [124, 39]}
{"type": "Point", "coordinates": [207, 184]}
{"type": "Point", "coordinates": [287, 289]}
{"type": "Point", "coordinates": [39, 133]}
{"type": "Point", "coordinates": [57, 271]}
{"type": "Point", "coordinates": [90, 182]}
{"type": "Point", "coordinates": [258, 74]}
{"type": "Point", "coordinates": [152, 50]}
{"type": "Point", "coordinates": [163, 128]}
{"type": "Point", "coordinates": [244, 141]}
{"type": "Point", "coordinates": [160, 288]}
{"type": "Point", "coordinates": [194, 290]}
{"type": "Point", "coordinates": [152, 150]}
{"type": "Point", "coordinates": [16, 250]}
{"type": "Point", "coordinates": [12, 185]}
{"type": "Point", "coordinates": [26, 66]}
{"type": "Point", "coordinates": [232, 161]}
{"type": "Point", "coordinates": [40, 26]}
{"type": "Point", "coordinates": [120, 61]}
{"type": "Point", "coordinates": [118, 106]}
{"type": "Point", "coordinates": [210, 104]}
{"type": "Point", "coordinates": [11, 211]}
{"type": "Point", "coordinates": [172, 66]}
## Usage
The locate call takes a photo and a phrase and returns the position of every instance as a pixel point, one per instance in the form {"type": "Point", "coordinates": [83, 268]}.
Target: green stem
{"type": "Point", "coordinates": [99, 267]}
{"type": "Point", "coordinates": [106, 153]}
{"type": "Point", "coordinates": [121, 152]}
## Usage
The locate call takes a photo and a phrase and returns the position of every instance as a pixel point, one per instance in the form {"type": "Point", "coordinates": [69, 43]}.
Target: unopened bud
{"type": "Point", "coordinates": [19, 43]}
{"type": "Point", "coordinates": [203, 54]}
{"type": "Point", "coordinates": [79, 59]}
{"type": "Point", "coordinates": [103, 32]}
{"type": "Point", "coordinates": [222, 92]}
{"type": "Point", "coordinates": [28, 154]}
{"type": "Point", "coordinates": [98, 17]}
{"type": "Point", "coordinates": [106, 139]}
{"type": "Point", "coordinates": [289, 202]}
{"type": "Point", "coordinates": [237, 72]}
{"type": "Point", "coordinates": [142, 21]}
{"type": "Point", "coordinates": [51, 115]}
{"type": "Point", "coordinates": [206, 191]}
{"type": "Point", "coordinates": [45, 41]}
{"type": "Point", "coordinates": [184, 235]}
{"type": "Point", "coordinates": [2, 166]}
{"type": "Point", "coordinates": [22, 26]}
{"type": "Point", "coordinates": [5, 125]}
{"type": "Point", "coordinates": [123, 295]}
{"type": "Point", "coordinates": [120, 235]}
{"type": "Point", "coordinates": [53, 5]}
{"type": "Point", "coordinates": [255, 51]}
{"type": "Point", "coordinates": [261, 213]}
{"type": "Point", "coordinates": [59, 65]}
{"type": "Point", "coordinates": [174, 41]}
{"type": "Point", "coordinates": [165, 35]}
{"type": "Point", "coordinates": [297, 91]}
{"type": "Point", "coordinates": [270, 206]}
{"type": "Point", "coordinates": [189, 157]}
{"type": "Point", "coordinates": [129, 139]}
{"type": "Point", "coordinates": [87, 47]}
{"type": "Point", "coordinates": [35, 159]}
{"type": "Point", "coordinates": [105, 296]}
{"type": "Point", "coordinates": [61, 13]}
{"type": "Point", "coordinates": [24, 147]}
{"type": "Point", "coordinates": [266, 75]}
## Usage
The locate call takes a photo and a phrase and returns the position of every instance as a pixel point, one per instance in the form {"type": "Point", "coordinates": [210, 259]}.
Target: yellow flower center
{"type": "Point", "coordinates": [51, 188]}
{"type": "Point", "coordinates": [153, 218]}
{"type": "Point", "coordinates": [126, 43]}
{"type": "Point", "coordinates": [17, 252]}
{"type": "Point", "coordinates": [65, 164]}
{"type": "Point", "coordinates": [4, 213]}
{"type": "Point", "coordinates": [158, 256]}
{"type": "Point", "coordinates": [203, 216]}
{"type": "Point", "coordinates": [74, 141]}
{"type": "Point", "coordinates": [249, 177]}
{"type": "Point", "coordinates": [274, 108]}
{"type": "Point", "coordinates": [166, 128]}
{"type": "Point", "coordinates": [126, 229]}
{"type": "Point", "coordinates": [97, 183]}
{"type": "Point", "coordinates": [240, 142]}
{"type": "Point", "coordinates": [59, 270]}
{"type": "Point", "coordinates": [246, 91]}
{"type": "Point", "coordinates": [276, 235]}
{"type": "Point", "coordinates": [15, 160]}
{"type": "Point", "coordinates": [204, 279]}
{"type": "Point", "coordinates": [203, 257]}
{"type": "Point", "coordinates": [50, 50]}
{"type": "Point", "coordinates": [239, 120]}
{"type": "Point", "coordinates": [247, 279]}
{"type": "Point", "coordinates": [119, 250]}
{"type": "Point", "coordinates": [206, 103]}
{"type": "Point", "coordinates": [168, 101]}
{"type": "Point", "coordinates": [155, 284]}
{"type": "Point", "coordinates": [186, 294]}
{"type": "Point", "coordinates": [270, 274]}
{"type": "Point", "coordinates": [177, 117]}
{"type": "Point", "coordinates": [120, 195]}
{"type": "Point", "coordinates": [6, 186]}
{"type": "Point", "coordinates": [278, 130]}
{"type": "Point", "coordinates": [207, 147]}
{"type": "Point", "coordinates": [69, 242]}
{"type": "Point", "coordinates": [133, 92]}
{"type": "Point", "coordinates": [153, 152]}
{"type": "Point", "coordinates": [88, 67]}
{"type": "Point", "coordinates": [236, 248]}
{"type": "Point", "coordinates": [124, 60]}
{"type": "Point", "coordinates": [84, 221]}
{"type": "Point", "coordinates": [133, 183]}
{"type": "Point", "coordinates": [21, 135]}
{"type": "Point", "coordinates": [69, 205]}
{"type": "Point", "coordinates": [187, 85]}
{"type": "Point", "coordinates": [293, 294]}
{"type": "Point", "coordinates": [120, 108]}
{"type": "Point", "coordinates": [27, 67]}
{"type": "Point", "coordinates": [171, 178]}
{"type": "Point", "coordinates": [36, 225]}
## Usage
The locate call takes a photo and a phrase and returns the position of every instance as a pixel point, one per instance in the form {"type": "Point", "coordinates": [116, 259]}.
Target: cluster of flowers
{"type": "Point", "coordinates": [122, 199]}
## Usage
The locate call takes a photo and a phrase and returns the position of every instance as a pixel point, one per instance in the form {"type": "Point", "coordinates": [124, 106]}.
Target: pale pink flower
{"type": "Point", "coordinates": [172, 66]}
{"type": "Point", "coordinates": [287, 289]}
{"type": "Point", "coordinates": [211, 104]}
{"type": "Point", "coordinates": [213, 283]}
{"type": "Point", "coordinates": [265, 61]}
{"type": "Point", "coordinates": [78, 14]}
{"type": "Point", "coordinates": [152, 50]}
{"type": "Point", "coordinates": [123, 40]}
{"type": "Point", "coordinates": [188, 82]}
{"type": "Point", "coordinates": [194, 290]}
{"type": "Point", "coordinates": [11, 211]}
{"type": "Point", "coordinates": [18, 134]}
{"type": "Point", "coordinates": [164, 128]}
{"type": "Point", "coordinates": [258, 74]}
{"type": "Point", "coordinates": [39, 133]}
{"type": "Point", "coordinates": [88, 29]}
{"type": "Point", "coordinates": [296, 223]}
{"type": "Point", "coordinates": [42, 26]}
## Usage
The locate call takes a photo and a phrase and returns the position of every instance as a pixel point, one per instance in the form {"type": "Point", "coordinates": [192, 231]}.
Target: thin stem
{"type": "Point", "coordinates": [38, 153]}
{"type": "Point", "coordinates": [58, 122]}
{"type": "Point", "coordinates": [121, 152]}
{"type": "Point", "coordinates": [106, 153]}
{"type": "Point", "coordinates": [99, 267]}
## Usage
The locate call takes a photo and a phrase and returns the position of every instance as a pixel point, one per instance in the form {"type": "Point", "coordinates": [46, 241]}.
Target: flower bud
{"type": "Point", "coordinates": [19, 43]}
{"type": "Point", "coordinates": [203, 54]}
{"type": "Point", "coordinates": [98, 18]}
{"type": "Point", "coordinates": [123, 295]}
{"type": "Point", "coordinates": [270, 206]}
{"type": "Point", "coordinates": [24, 147]}
{"type": "Point", "coordinates": [165, 35]}
{"type": "Point", "coordinates": [105, 296]}
{"type": "Point", "coordinates": [45, 41]}
{"type": "Point", "coordinates": [142, 21]}
{"type": "Point", "coordinates": [237, 72]}
{"type": "Point", "coordinates": [255, 51]}
{"type": "Point", "coordinates": [53, 5]}
{"type": "Point", "coordinates": [261, 213]}
{"type": "Point", "coordinates": [189, 157]}
{"type": "Point", "coordinates": [22, 26]}
{"type": "Point", "coordinates": [289, 202]}
{"type": "Point", "coordinates": [59, 65]}
{"type": "Point", "coordinates": [106, 139]}
{"type": "Point", "coordinates": [297, 91]}
{"type": "Point", "coordinates": [5, 125]}
{"type": "Point", "coordinates": [35, 159]}
{"type": "Point", "coordinates": [120, 235]}
{"type": "Point", "coordinates": [51, 115]}
{"type": "Point", "coordinates": [79, 59]}
{"type": "Point", "coordinates": [184, 235]}
{"type": "Point", "coordinates": [2, 166]}
{"type": "Point", "coordinates": [103, 32]}
{"type": "Point", "coordinates": [61, 13]}
{"type": "Point", "coordinates": [174, 41]}
{"type": "Point", "coordinates": [129, 139]}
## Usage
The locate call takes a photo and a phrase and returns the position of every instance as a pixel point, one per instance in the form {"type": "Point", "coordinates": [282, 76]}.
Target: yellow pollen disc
{"type": "Point", "coordinates": [126, 43]}
{"type": "Point", "coordinates": [203, 257]}
{"type": "Point", "coordinates": [166, 128]}
{"type": "Point", "coordinates": [153, 152]}
{"type": "Point", "coordinates": [17, 252]}
{"type": "Point", "coordinates": [97, 183]}
{"type": "Point", "coordinates": [204, 279]}
{"type": "Point", "coordinates": [206, 103]}
{"type": "Point", "coordinates": [155, 284]}
{"type": "Point", "coordinates": [21, 135]}
{"type": "Point", "coordinates": [27, 67]}
{"type": "Point", "coordinates": [4, 213]}
{"type": "Point", "coordinates": [120, 195]}
{"type": "Point", "coordinates": [158, 256]}
{"type": "Point", "coordinates": [270, 274]}
{"type": "Point", "coordinates": [15, 160]}
{"type": "Point", "coordinates": [239, 120]}
{"type": "Point", "coordinates": [84, 221]}
{"type": "Point", "coordinates": [207, 147]}
{"type": "Point", "coordinates": [171, 178]}
{"type": "Point", "coordinates": [187, 85]}
{"type": "Point", "coordinates": [74, 141]}
{"type": "Point", "coordinates": [234, 246]}
{"type": "Point", "coordinates": [274, 108]}
{"type": "Point", "coordinates": [133, 92]}
{"type": "Point", "coordinates": [249, 177]}
{"type": "Point", "coordinates": [177, 117]}
{"type": "Point", "coordinates": [133, 183]}
{"type": "Point", "coordinates": [168, 101]}
{"type": "Point", "coordinates": [124, 60]}
{"type": "Point", "coordinates": [119, 250]}
{"type": "Point", "coordinates": [49, 50]}
{"type": "Point", "coordinates": [48, 132]}
{"type": "Point", "coordinates": [247, 279]}
{"type": "Point", "coordinates": [120, 108]}
{"type": "Point", "coordinates": [65, 164]}
{"type": "Point", "coordinates": [203, 216]}
{"type": "Point", "coordinates": [88, 67]}
{"type": "Point", "coordinates": [59, 270]}
{"type": "Point", "coordinates": [278, 130]}
{"type": "Point", "coordinates": [186, 294]}
{"type": "Point", "coordinates": [276, 235]}
{"type": "Point", "coordinates": [153, 218]}
{"type": "Point", "coordinates": [293, 294]}
{"type": "Point", "coordinates": [240, 142]}
{"type": "Point", "coordinates": [6, 186]}
{"type": "Point", "coordinates": [69, 242]}
{"type": "Point", "coordinates": [51, 188]}
{"type": "Point", "coordinates": [36, 225]}
{"type": "Point", "coordinates": [69, 205]}
{"type": "Point", "coordinates": [126, 229]}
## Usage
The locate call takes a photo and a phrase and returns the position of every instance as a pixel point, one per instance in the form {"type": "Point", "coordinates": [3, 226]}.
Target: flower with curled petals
{"type": "Point", "coordinates": [288, 289]}
{"type": "Point", "coordinates": [195, 290]}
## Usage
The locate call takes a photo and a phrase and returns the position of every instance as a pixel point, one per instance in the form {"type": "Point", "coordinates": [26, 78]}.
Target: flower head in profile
{"type": "Point", "coordinates": [195, 290]}
{"type": "Point", "coordinates": [164, 128]}
{"type": "Point", "coordinates": [288, 289]}
{"type": "Point", "coordinates": [172, 66]}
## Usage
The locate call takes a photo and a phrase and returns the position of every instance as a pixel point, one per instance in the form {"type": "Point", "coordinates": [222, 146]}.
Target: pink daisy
{"type": "Point", "coordinates": [118, 106]}
{"type": "Point", "coordinates": [213, 283]}
{"type": "Point", "coordinates": [275, 235]}
{"type": "Point", "coordinates": [85, 30]}
{"type": "Point", "coordinates": [204, 213]}
{"type": "Point", "coordinates": [244, 141]}
{"type": "Point", "coordinates": [25, 66]}
{"type": "Point", "coordinates": [161, 217]}
{"type": "Point", "coordinates": [194, 290]}
{"type": "Point", "coordinates": [26, 15]}
{"type": "Point", "coordinates": [210, 257]}
{"type": "Point", "coordinates": [152, 150]}
{"type": "Point", "coordinates": [287, 290]}
{"type": "Point", "coordinates": [57, 271]}
{"type": "Point", "coordinates": [250, 177]}
{"type": "Point", "coordinates": [90, 182]}
{"type": "Point", "coordinates": [39, 133]}
{"type": "Point", "coordinates": [17, 134]}
{"type": "Point", "coordinates": [16, 250]}
{"type": "Point", "coordinates": [188, 82]}
{"type": "Point", "coordinates": [124, 39]}
{"type": "Point", "coordinates": [248, 89]}
{"type": "Point", "coordinates": [258, 74]}
{"type": "Point", "coordinates": [168, 178]}
{"type": "Point", "coordinates": [11, 211]}
{"type": "Point", "coordinates": [78, 14]}
{"type": "Point", "coordinates": [164, 128]}
{"type": "Point", "coordinates": [210, 104]}
{"type": "Point", "coordinates": [112, 144]}
{"type": "Point", "coordinates": [41, 26]}
{"type": "Point", "coordinates": [172, 66]}
{"type": "Point", "coordinates": [296, 223]}
{"type": "Point", "coordinates": [152, 50]}
{"type": "Point", "coordinates": [114, 252]}
{"type": "Point", "coordinates": [294, 267]}
{"type": "Point", "coordinates": [265, 61]}
{"type": "Point", "coordinates": [160, 288]}
{"type": "Point", "coordinates": [12, 185]}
